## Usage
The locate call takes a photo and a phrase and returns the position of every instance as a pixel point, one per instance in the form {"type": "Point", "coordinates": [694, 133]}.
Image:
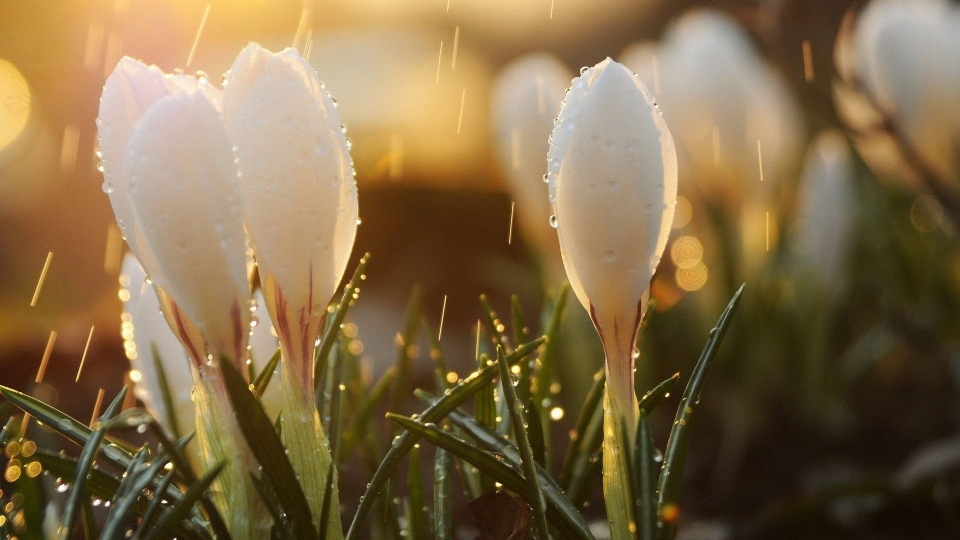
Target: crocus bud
{"type": "Point", "coordinates": [827, 211]}
{"type": "Point", "coordinates": [148, 340]}
{"type": "Point", "coordinates": [185, 197]}
{"type": "Point", "coordinates": [906, 54]}
{"type": "Point", "coordinates": [720, 97]}
{"type": "Point", "coordinates": [172, 179]}
{"type": "Point", "coordinates": [613, 185]}
{"type": "Point", "coordinates": [298, 192]}
{"type": "Point", "coordinates": [526, 100]}
{"type": "Point", "coordinates": [300, 204]}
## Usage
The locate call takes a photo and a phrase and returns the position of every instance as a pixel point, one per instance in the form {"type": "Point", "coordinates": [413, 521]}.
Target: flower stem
{"type": "Point", "coordinates": [620, 410]}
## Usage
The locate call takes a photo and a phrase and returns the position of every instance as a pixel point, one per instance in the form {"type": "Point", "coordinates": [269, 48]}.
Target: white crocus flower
{"type": "Point", "coordinates": [613, 185]}
{"type": "Point", "coordinates": [526, 100]}
{"type": "Point", "coordinates": [172, 181]}
{"type": "Point", "coordinates": [827, 217]}
{"type": "Point", "coordinates": [720, 97]}
{"type": "Point", "coordinates": [300, 204]}
{"type": "Point", "coordinates": [184, 192]}
{"type": "Point", "coordinates": [144, 331]}
{"type": "Point", "coordinates": [906, 54]}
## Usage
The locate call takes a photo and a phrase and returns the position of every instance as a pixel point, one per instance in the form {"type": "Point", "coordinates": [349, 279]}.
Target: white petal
{"type": "Point", "coordinates": [151, 332]}
{"type": "Point", "coordinates": [614, 188]}
{"type": "Point", "coordinates": [185, 197]}
{"type": "Point", "coordinates": [299, 195]}
{"type": "Point", "coordinates": [827, 210]}
{"type": "Point", "coordinates": [131, 89]}
{"type": "Point", "coordinates": [908, 57]}
{"type": "Point", "coordinates": [526, 100]}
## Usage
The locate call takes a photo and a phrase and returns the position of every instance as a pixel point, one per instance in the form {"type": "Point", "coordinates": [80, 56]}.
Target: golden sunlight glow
{"type": "Point", "coordinates": [14, 103]}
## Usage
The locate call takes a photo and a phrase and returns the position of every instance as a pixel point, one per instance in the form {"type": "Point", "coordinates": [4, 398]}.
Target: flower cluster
{"type": "Point", "coordinates": [218, 192]}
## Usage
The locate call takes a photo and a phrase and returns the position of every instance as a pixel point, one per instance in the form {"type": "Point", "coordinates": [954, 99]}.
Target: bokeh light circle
{"type": "Point", "coordinates": [686, 252]}
{"type": "Point", "coordinates": [14, 103]}
{"type": "Point", "coordinates": [692, 279]}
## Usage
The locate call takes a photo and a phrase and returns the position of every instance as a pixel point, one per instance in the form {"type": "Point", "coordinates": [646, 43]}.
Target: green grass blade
{"type": "Point", "coordinates": [535, 431]}
{"type": "Point", "coordinates": [645, 480]}
{"type": "Point", "coordinates": [569, 525]}
{"type": "Point", "coordinates": [464, 389]}
{"type": "Point", "coordinates": [327, 497]}
{"type": "Point", "coordinates": [417, 525]}
{"type": "Point", "coordinates": [169, 409]}
{"type": "Point", "coordinates": [332, 422]}
{"type": "Point", "coordinates": [271, 503]}
{"type": "Point", "coordinates": [677, 445]}
{"type": "Point", "coordinates": [494, 324]}
{"type": "Point", "coordinates": [181, 468]}
{"type": "Point", "coordinates": [406, 338]}
{"type": "Point", "coordinates": [88, 520]}
{"type": "Point", "coordinates": [546, 370]}
{"type": "Point", "coordinates": [520, 333]}
{"type": "Point", "coordinates": [537, 500]}
{"type": "Point", "coordinates": [154, 506]}
{"type": "Point", "coordinates": [119, 518]}
{"type": "Point", "coordinates": [485, 410]}
{"type": "Point", "coordinates": [442, 512]}
{"type": "Point", "coordinates": [65, 425]}
{"type": "Point", "coordinates": [267, 448]}
{"type": "Point", "coordinates": [436, 354]}
{"type": "Point", "coordinates": [72, 506]}
{"type": "Point", "coordinates": [333, 329]}
{"type": "Point", "coordinates": [590, 404]}
{"type": "Point", "coordinates": [358, 423]}
{"type": "Point", "coordinates": [263, 378]}
{"type": "Point", "coordinates": [545, 374]}
{"type": "Point", "coordinates": [584, 464]}
{"type": "Point", "coordinates": [170, 520]}
{"type": "Point", "coordinates": [651, 399]}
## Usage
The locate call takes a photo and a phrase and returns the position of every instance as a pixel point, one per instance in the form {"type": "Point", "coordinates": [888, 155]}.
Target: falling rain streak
{"type": "Point", "coordinates": [43, 276]}
{"type": "Point", "coordinates": [456, 45]}
{"type": "Point", "coordinates": [96, 408]}
{"type": "Point", "coordinates": [309, 46]}
{"type": "Point", "coordinates": [83, 358]}
{"type": "Point", "coordinates": [301, 26]}
{"type": "Point", "coordinates": [439, 62]}
{"type": "Point", "coordinates": [807, 60]}
{"type": "Point", "coordinates": [463, 99]}
{"type": "Point", "coordinates": [196, 39]}
{"type": "Point", "coordinates": [443, 312]}
{"type": "Point", "coordinates": [760, 159]}
{"type": "Point", "coordinates": [46, 357]}
{"type": "Point", "coordinates": [510, 234]}
{"type": "Point", "coordinates": [477, 354]}
{"type": "Point", "coordinates": [768, 231]}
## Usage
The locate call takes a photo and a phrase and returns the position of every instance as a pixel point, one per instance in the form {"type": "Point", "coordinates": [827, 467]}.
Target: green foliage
{"type": "Point", "coordinates": [155, 494]}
